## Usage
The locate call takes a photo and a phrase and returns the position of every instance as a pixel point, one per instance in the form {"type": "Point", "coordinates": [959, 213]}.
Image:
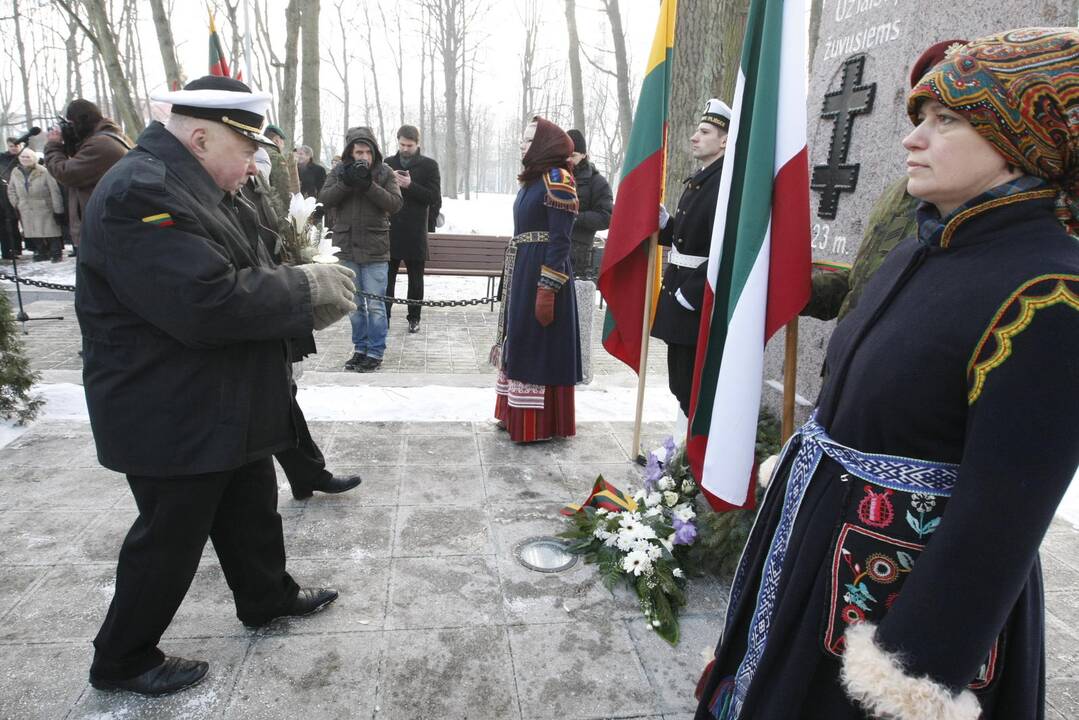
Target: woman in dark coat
{"type": "Point", "coordinates": [538, 346]}
{"type": "Point", "coordinates": [879, 585]}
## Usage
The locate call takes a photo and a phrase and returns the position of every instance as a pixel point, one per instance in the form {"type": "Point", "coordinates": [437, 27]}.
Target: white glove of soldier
{"type": "Point", "coordinates": [664, 217]}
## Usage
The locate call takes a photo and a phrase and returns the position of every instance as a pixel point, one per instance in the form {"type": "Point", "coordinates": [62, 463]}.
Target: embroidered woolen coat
{"type": "Point", "coordinates": [963, 349]}
{"type": "Point", "coordinates": [532, 353]}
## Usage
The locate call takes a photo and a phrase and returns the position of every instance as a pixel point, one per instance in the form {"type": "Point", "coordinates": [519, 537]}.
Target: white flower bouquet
{"type": "Point", "coordinates": [644, 540]}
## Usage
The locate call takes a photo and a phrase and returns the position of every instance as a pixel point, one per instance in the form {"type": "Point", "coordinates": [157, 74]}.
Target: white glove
{"type": "Point", "coordinates": [330, 285]}
{"type": "Point", "coordinates": [326, 315]}
{"type": "Point", "coordinates": [682, 300]}
{"type": "Point", "coordinates": [664, 217]}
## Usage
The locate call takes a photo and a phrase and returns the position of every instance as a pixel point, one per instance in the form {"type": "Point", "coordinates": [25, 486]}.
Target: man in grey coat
{"type": "Point", "coordinates": [362, 190]}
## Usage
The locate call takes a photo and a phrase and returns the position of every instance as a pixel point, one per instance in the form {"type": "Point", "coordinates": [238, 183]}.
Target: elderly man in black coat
{"type": "Point", "coordinates": [421, 188]}
{"type": "Point", "coordinates": [184, 319]}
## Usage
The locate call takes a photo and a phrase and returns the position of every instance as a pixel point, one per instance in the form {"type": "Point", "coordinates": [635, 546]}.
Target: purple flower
{"type": "Point", "coordinates": [684, 532]}
{"type": "Point", "coordinates": [670, 446]}
{"type": "Point", "coordinates": [653, 471]}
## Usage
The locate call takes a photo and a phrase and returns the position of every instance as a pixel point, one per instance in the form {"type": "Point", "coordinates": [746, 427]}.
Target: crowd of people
{"type": "Point", "coordinates": [951, 383]}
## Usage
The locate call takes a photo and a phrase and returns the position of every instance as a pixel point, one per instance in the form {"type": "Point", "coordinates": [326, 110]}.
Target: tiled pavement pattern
{"type": "Point", "coordinates": [436, 618]}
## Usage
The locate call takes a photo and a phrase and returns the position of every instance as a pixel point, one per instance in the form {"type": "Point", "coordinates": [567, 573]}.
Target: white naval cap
{"type": "Point", "coordinates": [223, 100]}
{"type": "Point", "coordinates": [717, 113]}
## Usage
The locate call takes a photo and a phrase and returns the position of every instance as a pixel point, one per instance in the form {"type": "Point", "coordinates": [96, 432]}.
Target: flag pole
{"type": "Point", "coordinates": [646, 327]}
{"type": "Point", "coordinates": [790, 377]}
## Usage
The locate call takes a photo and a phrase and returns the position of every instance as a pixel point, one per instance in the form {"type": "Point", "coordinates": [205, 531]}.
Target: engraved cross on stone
{"type": "Point", "coordinates": [851, 99]}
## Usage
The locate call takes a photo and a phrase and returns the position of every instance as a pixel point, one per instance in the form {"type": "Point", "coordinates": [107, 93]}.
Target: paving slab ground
{"type": "Point", "coordinates": [436, 618]}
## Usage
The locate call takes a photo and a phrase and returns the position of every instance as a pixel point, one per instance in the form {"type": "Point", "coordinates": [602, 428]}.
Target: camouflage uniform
{"type": "Point", "coordinates": [281, 197]}
{"type": "Point", "coordinates": [836, 292]}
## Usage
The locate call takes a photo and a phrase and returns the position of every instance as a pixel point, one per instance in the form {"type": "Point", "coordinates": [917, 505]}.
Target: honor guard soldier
{"type": "Point", "coordinates": [689, 235]}
{"type": "Point", "coordinates": [184, 318]}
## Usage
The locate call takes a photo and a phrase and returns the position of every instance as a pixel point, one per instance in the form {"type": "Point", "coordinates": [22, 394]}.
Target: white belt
{"type": "Point", "coordinates": [682, 260]}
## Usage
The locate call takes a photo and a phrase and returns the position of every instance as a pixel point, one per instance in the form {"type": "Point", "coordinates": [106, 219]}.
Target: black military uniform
{"type": "Point", "coordinates": [184, 318]}
{"type": "Point", "coordinates": [689, 235]}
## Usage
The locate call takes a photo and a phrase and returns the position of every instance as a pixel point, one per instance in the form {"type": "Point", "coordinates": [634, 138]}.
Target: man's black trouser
{"type": "Point", "coordinates": [10, 237]}
{"type": "Point", "coordinates": [304, 464]}
{"type": "Point", "coordinates": [680, 360]}
{"type": "Point", "coordinates": [237, 510]}
{"type": "Point", "coordinates": [415, 284]}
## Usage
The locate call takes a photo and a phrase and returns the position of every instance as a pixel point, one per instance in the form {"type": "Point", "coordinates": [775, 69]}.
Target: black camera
{"type": "Point", "coordinates": [357, 174]}
{"type": "Point", "coordinates": [67, 132]}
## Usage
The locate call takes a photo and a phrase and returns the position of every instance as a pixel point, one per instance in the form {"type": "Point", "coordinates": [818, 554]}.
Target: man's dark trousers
{"type": "Point", "coordinates": [10, 237]}
{"type": "Point", "coordinates": [415, 284]}
{"type": "Point", "coordinates": [304, 465]}
{"type": "Point", "coordinates": [680, 362]}
{"type": "Point", "coordinates": [237, 510]}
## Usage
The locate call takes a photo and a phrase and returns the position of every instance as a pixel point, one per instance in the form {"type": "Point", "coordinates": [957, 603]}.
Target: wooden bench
{"type": "Point", "coordinates": [469, 255]}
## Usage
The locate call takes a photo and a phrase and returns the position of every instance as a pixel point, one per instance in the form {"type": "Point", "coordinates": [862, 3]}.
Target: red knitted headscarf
{"type": "Point", "coordinates": [551, 147]}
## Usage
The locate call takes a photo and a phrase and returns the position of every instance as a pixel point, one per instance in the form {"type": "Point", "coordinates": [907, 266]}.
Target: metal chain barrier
{"type": "Point", "coordinates": [373, 296]}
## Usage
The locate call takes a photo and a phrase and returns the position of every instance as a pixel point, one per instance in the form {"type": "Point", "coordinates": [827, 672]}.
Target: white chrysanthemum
{"type": "Point", "coordinates": [653, 512]}
{"type": "Point", "coordinates": [683, 512]}
{"type": "Point", "coordinates": [624, 540]}
{"type": "Point", "coordinates": [687, 486]}
{"type": "Point", "coordinates": [670, 499]}
{"type": "Point", "coordinates": [652, 499]}
{"type": "Point", "coordinates": [601, 511]}
{"type": "Point", "coordinates": [600, 534]}
{"type": "Point", "coordinates": [665, 483]}
{"type": "Point", "coordinates": [668, 542]}
{"type": "Point", "coordinates": [677, 572]}
{"type": "Point", "coordinates": [637, 562]}
{"type": "Point", "coordinates": [652, 550]}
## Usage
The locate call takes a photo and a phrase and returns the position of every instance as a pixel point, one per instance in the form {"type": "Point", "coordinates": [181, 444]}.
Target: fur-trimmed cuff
{"type": "Point", "coordinates": [551, 278]}
{"type": "Point", "coordinates": [876, 680]}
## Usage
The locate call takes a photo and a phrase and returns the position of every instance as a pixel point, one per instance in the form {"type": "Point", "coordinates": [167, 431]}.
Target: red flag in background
{"type": "Point", "coordinates": [219, 64]}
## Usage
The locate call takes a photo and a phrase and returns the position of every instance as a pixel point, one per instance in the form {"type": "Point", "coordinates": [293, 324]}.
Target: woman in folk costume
{"type": "Point", "coordinates": [875, 584]}
{"type": "Point", "coordinates": [538, 346]}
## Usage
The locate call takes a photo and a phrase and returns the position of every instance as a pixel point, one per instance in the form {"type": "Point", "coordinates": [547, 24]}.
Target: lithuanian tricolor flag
{"type": "Point", "coordinates": [219, 64]}
{"type": "Point", "coordinates": [759, 266]}
{"type": "Point", "coordinates": [624, 272]}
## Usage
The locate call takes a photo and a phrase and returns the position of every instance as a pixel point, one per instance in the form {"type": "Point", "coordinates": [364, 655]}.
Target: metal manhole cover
{"type": "Point", "coordinates": [544, 554]}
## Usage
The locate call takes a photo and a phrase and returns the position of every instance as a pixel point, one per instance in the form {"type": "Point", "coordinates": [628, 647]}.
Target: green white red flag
{"type": "Point", "coordinates": [759, 266]}
{"type": "Point", "coordinates": [624, 271]}
{"type": "Point", "coordinates": [219, 64]}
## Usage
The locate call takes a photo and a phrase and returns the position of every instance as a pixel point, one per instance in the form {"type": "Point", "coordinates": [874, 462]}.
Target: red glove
{"type": "Point", "coordinates": [545, 306]}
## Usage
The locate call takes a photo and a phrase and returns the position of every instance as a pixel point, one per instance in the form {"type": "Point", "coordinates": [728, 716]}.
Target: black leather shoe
{"type": "Point", "coordinates": [308, 602]}
{"type": "Point", "coordinates": [334, 484]}
{"type": "Point", "coordinates": [413, 325]}
{"type": "Point", "coordinates": [173, 675]}
{"type": "Point", "coordinates": [354, 362]}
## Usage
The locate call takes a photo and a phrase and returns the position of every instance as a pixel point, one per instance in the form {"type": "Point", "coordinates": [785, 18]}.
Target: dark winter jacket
{"type": "Point", "coordinates": [408, 227]}
{"type": "Point", "coordinates": [690, 232]}
{"type": "Point", "coordinates": [184, 318]}
{"type": "Point", "coordinates": [8, 163]}
{"type": "Point", "coordinates": [597, 203]}
{"type": "Point", "coordinates": [362, 215]}
{"type": "Point", "coordinates": [81, 172]}
{"type": "Point", "coordinates": [312, 178]}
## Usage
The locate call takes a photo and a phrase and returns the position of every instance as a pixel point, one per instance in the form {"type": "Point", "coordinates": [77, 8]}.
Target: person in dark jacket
{"type": "Point", "coordinates": [689, 235]}
{"type": "Point", "coordinates": [363, 193]}
{"type": "Point", "coordinates": [421, 189]}
{"type": "Point", "coordinates": [597, 203]}
{"type": "Point", "coordinates": [893, 569]}
{"type": "Point", "coordinates": [96, 144]}
{"type": "Point", "coordinates": [184, 321]}
{"type": "Point", "coordinates": [304, 464]}
{"type": "Point", "coordinates": [10, 239]}
{"type": "Point", "coordinates": [312, 175]}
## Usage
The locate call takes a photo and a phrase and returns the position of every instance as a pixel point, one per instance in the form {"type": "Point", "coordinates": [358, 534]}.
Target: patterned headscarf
{"type": "Point", "coordinates": [1020, 91]}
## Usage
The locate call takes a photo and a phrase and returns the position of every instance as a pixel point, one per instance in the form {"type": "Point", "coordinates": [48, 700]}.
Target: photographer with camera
{"type": "Point", "coordinates": [78, 152]}
{"type": "Point", "coordinates": [363, 192]}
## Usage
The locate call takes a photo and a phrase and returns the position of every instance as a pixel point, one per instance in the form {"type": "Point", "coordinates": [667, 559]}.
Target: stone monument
{"type": "Point", "coordinates": [858, 83]}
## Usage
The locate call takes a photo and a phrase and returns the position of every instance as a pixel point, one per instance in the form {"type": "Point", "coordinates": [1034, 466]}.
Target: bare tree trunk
{"type": "Point", "coordinates": [374, 77]}
{"type": "Point", "coordinates": [706, 59]}
{"type": "Point", "coordinates": [345, 57]}
{"type": "Point", "coordinates": [231, 11]}
{"type": "Point", "coordinates": [576, 84]}
{"type": "Point", "coordinates": [621, 63]}
{"type": "Point", "coordinates": [309, 78]}
{"type": "Point", "coordinates": [433, 116]}
{"type": "Point", "coordinates": [423, 80]}
{"type": "Point", "coordinates": [287, 112]}
{"type": "Point", "coordinates": [173, 75]}
{"type": "Point", "coordinates": [528, 60]}
{"type": "Point", "coordinates": [105, 41]}
{"type": "Point", "coordinates": [24, 67]}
